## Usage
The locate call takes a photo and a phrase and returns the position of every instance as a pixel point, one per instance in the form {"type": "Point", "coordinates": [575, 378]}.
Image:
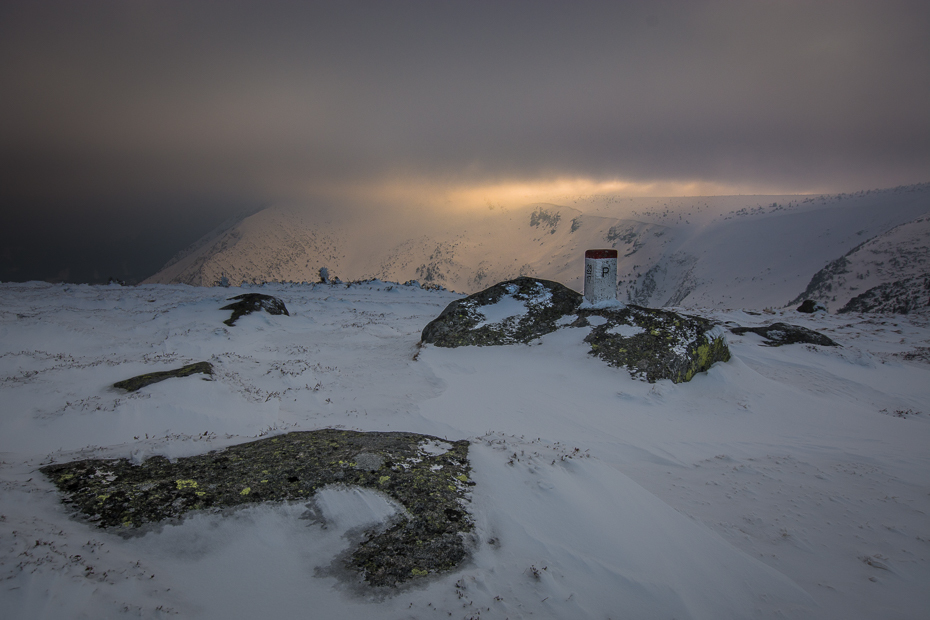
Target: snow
{"type": "Point", "coordinates": [349, 508]}
{"type": "Point", "coordinates": [626, 331]}
{"type": "Point", "coordinates": [506, 307]}
{"type": "Point", "coordinates": [434, 448]}
{"type": "Point", "coordinates": [790, 482]}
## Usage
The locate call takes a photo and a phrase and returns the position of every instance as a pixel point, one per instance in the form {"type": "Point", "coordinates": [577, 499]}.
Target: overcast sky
{"type": "Point", "coordinates": [130, 113]}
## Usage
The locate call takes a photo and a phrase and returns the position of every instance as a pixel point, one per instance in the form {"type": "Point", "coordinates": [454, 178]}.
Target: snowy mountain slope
{"type": "Point", "coordinates": [906, 296]}
{"type": "Point", "coordinates": [789, 482]}
{"type": "Point", "coordinates": [463, 252]}
{"type": "Point", "coordinates": [900, 254]}
{"type": "Point", "coordinates": [275, 242]}
{"type": "Point", "coordinates": [755, 251]}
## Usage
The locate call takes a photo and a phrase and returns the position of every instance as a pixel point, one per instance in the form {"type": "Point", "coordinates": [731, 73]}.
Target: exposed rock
{"type": "Point", "coordinates": [810, 306]}
{"type": "Point", "coordinates": [543, 218]}
{"type": "Point", "coordinates": [900, 297]}
{"type": "Point", "coordinates": [428, 476]}
{"type": "Point", "coordinates": [140, 381]}
{"type": "Point", "coordinates": [537, 305]}
{"type": "Point", "coordinates": [778, 334]}
{"type": "Point", "coordinates": [655, 344]}
{"type": "Point", "coordinates": [253, 302]}
{"type": "Point", "coordinates": [651, 344]}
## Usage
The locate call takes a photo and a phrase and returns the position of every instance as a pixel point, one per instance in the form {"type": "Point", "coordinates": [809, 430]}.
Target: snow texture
{"type": "Point", "coordinates": [789, 482]}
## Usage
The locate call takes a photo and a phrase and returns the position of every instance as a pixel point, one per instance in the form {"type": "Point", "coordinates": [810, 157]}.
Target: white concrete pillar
{"type": "Point", "coordinates": [600, 276]}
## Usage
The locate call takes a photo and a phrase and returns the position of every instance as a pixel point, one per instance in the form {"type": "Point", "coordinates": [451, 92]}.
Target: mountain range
{"type": "Point", "coordinates": [719, 252]}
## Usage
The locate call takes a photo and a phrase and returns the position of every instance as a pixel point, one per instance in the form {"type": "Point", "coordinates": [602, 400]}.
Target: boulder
{"type": "Point", "coordinates": [140, 381]}
{"type": "Point", "coordinates": [810, 306]}
{"type": "Point", "coordinates": [778, 334]}
{"type": "Point", "coordinates": [652, 344]}
{"type": "Point", "coordinates": [253, 302]}
{"type": "Point", "coordinates": [427, 475]}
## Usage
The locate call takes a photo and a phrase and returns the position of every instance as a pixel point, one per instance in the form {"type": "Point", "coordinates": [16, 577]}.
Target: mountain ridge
{"type": "Point", "coordinates": [699, 251]}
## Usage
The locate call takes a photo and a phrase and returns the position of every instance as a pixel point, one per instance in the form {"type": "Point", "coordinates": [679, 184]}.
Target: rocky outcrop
{"type": "Point", "coordinates": [516, 311]}
{"type": "Point", "coordinates": [652, 344]}
{"type": "Point", "coordinates": [253, 302]}
{"type": "Point", "coordinates": [428, 476]}
{"type": "Point", "coordinates": [140, 381]}
{"type": "Point", "coordinates": [778, 334]}
{"type": "Point", "coordinates": [810, 306]}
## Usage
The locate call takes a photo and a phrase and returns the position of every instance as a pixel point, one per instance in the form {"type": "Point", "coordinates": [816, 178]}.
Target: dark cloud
{"type": "Point", "coordinates": [123, 101]}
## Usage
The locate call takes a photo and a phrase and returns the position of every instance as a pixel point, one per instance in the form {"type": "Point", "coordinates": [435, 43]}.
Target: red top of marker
{"type": "Point", "coordinates": [600, 254]}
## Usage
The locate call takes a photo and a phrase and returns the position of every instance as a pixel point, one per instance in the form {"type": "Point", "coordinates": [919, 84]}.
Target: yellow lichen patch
{"type": "Point", "coordinates": [703, 355]}
{"type": "Point", "coordinates": [245, 491]}
{"type": "Point", "coordinates": [186, 484]}
{"type": "Point", "coordinates": [102, 498]}
{"type": "Point", "coordinates": [65, 477]}
{"type": "Point", "coordinates": [384, 480]}
{"type": "Point", "coordinates": [419, 572]}
{"type": "Point", "coordinates": [462, 477]}
{"type": "Point", "coordinates": [200, 493]}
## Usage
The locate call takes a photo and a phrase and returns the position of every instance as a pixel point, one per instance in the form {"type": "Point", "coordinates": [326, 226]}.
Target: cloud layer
{"type": "Point", "coordinates": [122, 101]}
{"type": "Point", "coordinates": [289, 97]}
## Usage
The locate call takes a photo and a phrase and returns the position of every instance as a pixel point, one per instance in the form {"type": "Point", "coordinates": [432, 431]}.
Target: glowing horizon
{"type": "Point", "coordinates": [515, 193]}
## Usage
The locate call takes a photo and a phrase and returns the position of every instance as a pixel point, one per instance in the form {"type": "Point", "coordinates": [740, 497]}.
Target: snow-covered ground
{"type": "Point", "coordinates": [790, 482]}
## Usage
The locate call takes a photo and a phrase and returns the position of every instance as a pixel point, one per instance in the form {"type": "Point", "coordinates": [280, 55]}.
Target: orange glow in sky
{"type": "Point", "coordinates": [424, 193]}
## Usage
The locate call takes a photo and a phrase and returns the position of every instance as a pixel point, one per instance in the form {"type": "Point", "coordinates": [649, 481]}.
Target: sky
{"type": "Point", "coordinates": [130, 128]}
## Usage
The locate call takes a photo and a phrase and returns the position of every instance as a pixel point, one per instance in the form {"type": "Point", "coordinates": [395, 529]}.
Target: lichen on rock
{"type": "Point", "coordinates": [652, 344]}
{"type": "Point", "coordinates": [662, 345]}
{"type": "Point", "coordinates": [253, 302]}
{"type": "Point", "coordinates": [431, 484]}
{"type": "Point", "coordinates": [140, 381]}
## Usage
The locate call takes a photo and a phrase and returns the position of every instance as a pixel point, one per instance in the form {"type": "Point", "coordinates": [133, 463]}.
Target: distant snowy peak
{"type": "Point", "coordinates": [886, 271]}
{"type": "Point", "coordinates": [462, 252]}
{"type": "Point", "coordinates": [715, 252]}
{"type": "Point", "coordinates": [210, 238]}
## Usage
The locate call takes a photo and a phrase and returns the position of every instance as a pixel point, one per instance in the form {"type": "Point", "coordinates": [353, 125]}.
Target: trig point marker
{"type": "Point", "coordinates": [600, 276]}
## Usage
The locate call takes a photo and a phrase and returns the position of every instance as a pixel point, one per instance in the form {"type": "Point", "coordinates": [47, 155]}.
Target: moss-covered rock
{"type": "Point", "coordinates": [778, 334]}
{"type": "Point", "coordinates": [652, 344]}
{"type": "Point", "coordinates": [253, 302]}
{"type": "Point", "coordinates": [655, 344]}
{"type": "Point", "coordinates": [428, 476]}
{"type": "Point", "coordinates": [140, 381]}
